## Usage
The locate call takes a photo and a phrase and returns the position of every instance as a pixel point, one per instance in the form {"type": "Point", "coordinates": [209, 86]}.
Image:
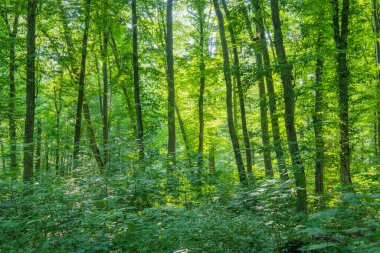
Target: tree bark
{"type": "Point", "coordinates": [78, 119]}
{"type": "Point", "coordinates": [286, 78]}
{"type": "Point", "coordinates": [227, 76]}
{"type": "Point", "coordinates": [184, 136]}
{"type": "Point", "coordinates": [267, 69]}
{"type": "Point", "coordinates": [171, 87]}
{"type": "Point", "coordinates": [2, 155]}
{"type": "Point", "coordinates": [340, 38]}
{"type": "Point", "coordinates": [38, 148]}
{"type": "Point", "coordinates": [247, 144]}
{"type": "Point", "coordinates": [12, 94]}
{"type": "Point", "coordinates": [30, 91]}
{"type": "Point", "coordinates": [91, 135]}
{"type": "Point", "coordinates": [104, 52]}
{"type": "Point", "coordinates": [211, 158]}
{"type": "Point", "coordinates": [58, 110]}
{"type": "Point", "coordinates": [318, 127]}
{"type": "Point", "coordinates": [136, 85]}
{"type": "Point", "coordinates": [202, 68]}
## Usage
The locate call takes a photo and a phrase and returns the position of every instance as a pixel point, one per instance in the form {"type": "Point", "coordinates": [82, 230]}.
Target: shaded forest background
{"type": "Point", "coordinates": [189, 126]}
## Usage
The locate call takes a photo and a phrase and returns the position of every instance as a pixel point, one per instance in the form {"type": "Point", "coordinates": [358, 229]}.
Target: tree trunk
{"type": "Point", "coordinates": [30, 90]}
{"type": "Point", "coordinates": [227, 76]}
{"type": "Point", "coordinates": [184, 136]}
{"type": "Point", "coordinates": [376, 29]}
{"type": "Point", "coordinates": [340, 38]}
{"type": "Point", "coordinates": [202, 68]}
{"type": "Point", "coordinates": [318, 127]}
{"type": "Point", "coordinates": [91, 135]}
{"type": "Point", "coordinates": [105, 94]}
{"type": "Point", "coordinates": [211, 158]}
{"type": "Point", "coordinates": [58, 110]}
{"type": "Point", "coordinates": [286, 78]}
{"type": "Point", "coordinates": [38, 148]}
{"type": "Point", "coordinates": [247, 144]}
{"type": "Point", "coordinates": [2, 155]}
{"type": "Point", "coordinates": [171, 88]}
{"type": "Point", "coordinates": [12, 95]}
{"type": "Point", "coordinates": [267, 70]}
{"type": "Point", "coordinates": [136, 85]}
{"type": "Point", "coordinates": [47, 165]}
{"type": "Point", "coordinates": [78, 119]}
{"type": "Point", "coordinates": [264, 120]}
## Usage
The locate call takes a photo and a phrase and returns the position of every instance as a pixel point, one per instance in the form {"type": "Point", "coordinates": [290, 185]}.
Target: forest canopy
{"type": "Point", "coordinates": [189, 126]}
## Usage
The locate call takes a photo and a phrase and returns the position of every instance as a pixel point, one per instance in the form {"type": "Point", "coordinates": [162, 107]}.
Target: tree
{"type": "Point", "coordinates": [340, 37]}
{"type": "Point", "coordinates": [78, 118]}
{"type": "Point", "coordinates": [104, 112]}
{"type": "Point", "coordinates": [247, 145]}
{"type": "Point", "coordinates": [227, 77]}
{"type": "Point", "coordinates": [136, 84]}
{"type": "Point", "coordinates": [171, 87]}
{"type": "Point", "coordinates": [286, 78]}
{"type": "Point", "coordinates": [267, 69]}
{"type": "Point", "coordinates": [200, 6]}
{"type": "Point", "coordinates": [12, 31]}
{"type": "Point", "coordinates": [30, 90]}
{"type": "Point", "coordinates": [318, 124]}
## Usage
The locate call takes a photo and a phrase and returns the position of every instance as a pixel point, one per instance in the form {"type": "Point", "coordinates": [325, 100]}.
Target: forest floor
{"type": "Point", "coordinates": [122, 214]}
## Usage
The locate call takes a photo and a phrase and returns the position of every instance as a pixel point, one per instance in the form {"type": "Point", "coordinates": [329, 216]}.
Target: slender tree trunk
{"type": "Point", "coordinates": [247, 144]}
{"type": "Point", "coordinates": [136, 85]}
{"type": "Point", "coordinates": [12, 95]}
{"type": "Point", "coordinates": [318, 127]}
{"type": "Point", "coordinates": [38, 148]}
{"type": "Point", "coordinates": [171, 87]}
{"type": "Point", "coordinates": [78, 119]}
{"type": "Point", "coordinates": [264, 120]}
{"type": "Point", "coordinates": [47, 164]}
{"type": "Point", "coordinates": [340, 38]}
{"type": "Point", "coordinates": [58, 109]}
{"type": "Point", "coordinates": [91, 135]}
{"type": "Point", "coordinates": [211, 158]}
{"type": "Point", "coordinates": [235, 103]}
{"type": "Point", "coordinates": [104, 53]}
{"type": "Point", "coordinates": [30, 90]}
{"type": "Point", "coordinates": [99, 83]}
{"type": "Point", "coordinates": [286, 78]}
{"type": "Point", "coordinates": [2, 155]}
{"type": "Point", "coordinates": [202, 68]}
{"type": "Point", "coordinates": [184, 136]}
{"type": "Point", "coordinates": [376, 29]}
{"type": "Point", "coordinates": [227, 76]}
{"type": "Point", "coordinates": [267, 69]}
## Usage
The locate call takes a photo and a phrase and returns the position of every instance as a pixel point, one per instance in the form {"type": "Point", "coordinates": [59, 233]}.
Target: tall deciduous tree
{"type": "Point", "coordinates": [340, 38]}
{"type": "Point", "coordinates": [227, 76]}
{"type": "Point", "coordinates": [104, 52]}
{"type": "Point", "coordinates": [171, 87]}
{"type": "Point", "coordinates": [30, 90]}
{"type": "Point", "coordinates": [12, 31]}
{"type": "Point", "coordinates": [78, 118]}
{"type": "Point", "coordinates": [247, 145]}
{"type": "Point", "coordinates": [286, 78]}
{"type": "Point", "coordinates": [267, 68]}
{"type": "Point", "coordinates": [318, 123]}
{"type": "Point", "coordinates": [200, 8]}
{"type": "Point", "coordinates": [136, 84]}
